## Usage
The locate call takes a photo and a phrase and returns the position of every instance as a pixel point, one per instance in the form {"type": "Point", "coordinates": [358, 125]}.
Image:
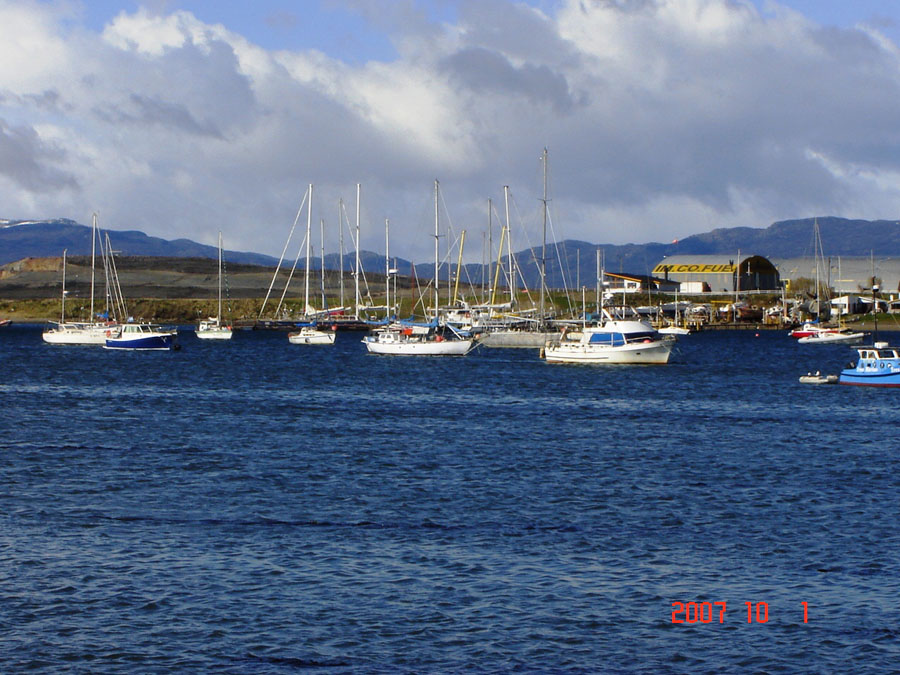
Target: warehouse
{"type": "Point", "coordinates": [720, 272]}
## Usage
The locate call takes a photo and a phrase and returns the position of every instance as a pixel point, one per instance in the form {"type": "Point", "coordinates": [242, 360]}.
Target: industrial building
{"type": "Point", "coordinates": [720, 273]}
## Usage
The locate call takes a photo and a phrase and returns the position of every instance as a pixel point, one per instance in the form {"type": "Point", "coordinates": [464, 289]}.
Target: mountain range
{"type": "Point", "coordinates": [566, 262]}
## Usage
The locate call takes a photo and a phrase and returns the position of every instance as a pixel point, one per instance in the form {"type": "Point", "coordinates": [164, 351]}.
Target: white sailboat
{"type": "Point", "coordinates": [421, 339]}
{"type": "Point", "coordinates": [675, 328]}
{"type": "Point", "coordinates": [521, 329]}
{"type": "Point", "coordinates": [91, 332]}
{"type": "Point", "coordinates": [311, 334]}
{"type": "Point", "coordinates": [214, 328]}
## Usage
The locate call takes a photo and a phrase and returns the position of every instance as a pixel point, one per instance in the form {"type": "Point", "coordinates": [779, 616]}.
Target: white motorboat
{"type": "Point", "coordinates": [310, 335]}
{"type": "Point", "coordinates": [143, 336]}
{"type": "Point", "coordinates": [844, 336]}
{"type": "Point", "coordinates": [615, 341]}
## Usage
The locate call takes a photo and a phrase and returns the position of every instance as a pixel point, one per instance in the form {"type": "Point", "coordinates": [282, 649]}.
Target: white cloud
{"type": "Point", "coordinates": [663, 118]}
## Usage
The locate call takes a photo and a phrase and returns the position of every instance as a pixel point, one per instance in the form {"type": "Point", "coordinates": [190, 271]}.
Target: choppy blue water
{"type": "Point", "coordinates": [256, 506]}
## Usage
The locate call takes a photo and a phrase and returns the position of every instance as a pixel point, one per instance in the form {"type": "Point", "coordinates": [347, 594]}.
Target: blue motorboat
{"type": "Point", "coordinates": [144, 336]}
{"type": "Point", "coordinates": [878, 366]}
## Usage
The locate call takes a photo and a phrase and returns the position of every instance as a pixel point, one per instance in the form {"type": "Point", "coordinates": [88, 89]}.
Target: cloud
{"type": "Point", "coordinates": [663, 118]}
{"type": "Point", "coordinates": [29, 162]}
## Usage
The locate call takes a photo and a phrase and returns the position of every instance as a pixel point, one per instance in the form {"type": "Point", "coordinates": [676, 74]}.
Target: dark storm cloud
{"type": "Point", "coordinates": [484, 71]}
{"type": "Point", "coordinates": [29, 162]}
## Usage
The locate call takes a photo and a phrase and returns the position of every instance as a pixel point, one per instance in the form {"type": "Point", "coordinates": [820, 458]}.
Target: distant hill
{"type": "Point", "coordinates": [568, 263]}
{"type": "Point", "coordinates": [48, 238]}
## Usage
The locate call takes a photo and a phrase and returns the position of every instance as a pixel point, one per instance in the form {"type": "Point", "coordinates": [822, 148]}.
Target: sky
{"type": "Point", "coordinates": [661, 118]}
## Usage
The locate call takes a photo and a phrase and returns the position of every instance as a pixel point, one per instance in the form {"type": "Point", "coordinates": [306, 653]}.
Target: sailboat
{"type": "Point", "coordinates": [311, 334]}
{"type": "Point", "coordinates": [213, 328]}
{"type": "Point", "coordinates": [675, 328]}
{"type": "Point", "coordinates": [814, 332]}
{"type": "Point", "coordinates": [520, 329]}
{"type": "Point", "coordinates": [421, 339]}
{"type": "Point", "coordinates": [92, 332]}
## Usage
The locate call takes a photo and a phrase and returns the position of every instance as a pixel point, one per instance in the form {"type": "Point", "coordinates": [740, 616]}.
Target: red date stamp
{"type": "Point", "coordinates": [708, 612]}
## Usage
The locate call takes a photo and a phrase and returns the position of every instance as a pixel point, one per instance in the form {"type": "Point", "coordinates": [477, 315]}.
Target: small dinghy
{"type": "Point", "coordinates": [818, 378]}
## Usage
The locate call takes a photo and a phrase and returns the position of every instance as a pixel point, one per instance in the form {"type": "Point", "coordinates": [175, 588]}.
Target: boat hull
{"type": "Point", "coordinates": [146, 343]}
{"type": "Point", "coordinates": [214, 334]}
{"type": "Point", "coordinates": [650, 353]}
{"type": "Point", "coordinates": [673, 330]}
{"type": "Point", "coordinates": [863, 379]}
{"type": "Point", "coordinates": [424, 348]}
{"type": "Point", "coordinates": [75, 335]}
{"type": "Point", "coordinates": [515, 339]}
{"type": "Point", "coordinates": [824, 338]}
{"type": "Point", "coordinates": [312, 338]}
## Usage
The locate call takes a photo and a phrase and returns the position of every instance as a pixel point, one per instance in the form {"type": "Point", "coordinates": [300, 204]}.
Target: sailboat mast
{"type": "Point", "coordinates": [219, 316]}
{"type": "Point", "coordinates": [356, 274]}
{"type": "Point", "coordinates": [490, 250]}
{"type": "Point", "coordinates": [387, 267]}
{"type": "Point", "coordinates": [544, 240]}
{"type": "Point", "coordinates": [93, 253]}
{"type": "Point", "coordinates": [341, 246]}
{"type": "Point", "coordinates": [512, 272]}
{"type": "Point", "coordinates": [308, 227]}
{"type": "Point", "coordinates": [322, 259]}
{"type": "Point", "coordinates": [437, 291]}
{"type": "Point", "coordinates": [62, 315]}
{"type": "Point", "coordinates": [497, 269]}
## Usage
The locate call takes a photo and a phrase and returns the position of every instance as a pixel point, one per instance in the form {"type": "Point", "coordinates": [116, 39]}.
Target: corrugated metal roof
{"type": "Point", "coordinates": [845, 274]}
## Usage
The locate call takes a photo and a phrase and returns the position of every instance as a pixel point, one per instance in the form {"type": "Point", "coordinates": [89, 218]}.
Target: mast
{"type": "Point", "coordinates": [497, 268]}
{"type": "Point", "coordinates": [219, 313]}
{"type": "Point", "coordinates": [356, 273]}
{"type": "Point", "coordinates": [387, 268]}
{"type": "Point", "coordinates": [874, 298]}
{"type": "Point", "coordinates": [437, 292]}
{"type": "Point", "coordinates": [62, 315]}
{"type": "Point", "coordinates": [490, 253]}
{"type": "Point", "coordinates": [341, 247]}
{"type": "Point", "coordinates": [544, 241]}
{"type": "Point", "coordinates": [512, 273]}
{"type": "Point", "coordinates": [93, 253]}
{"type": "Point", "coordinates": [322, 260]}
{"type": "Point", "coordinates": [308, 226]}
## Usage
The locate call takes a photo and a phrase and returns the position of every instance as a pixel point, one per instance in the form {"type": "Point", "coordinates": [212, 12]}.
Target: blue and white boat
{"type": "Point", "coordinates": [878, 366]}
{"type": "Point", "coordinates": [613, 341]}
{"type": "Point", "coordinates": [143, 336]}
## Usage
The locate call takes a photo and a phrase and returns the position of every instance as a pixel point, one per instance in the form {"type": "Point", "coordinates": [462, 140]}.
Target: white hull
{"type": "Point", "coordinates": [649, 353]}
{"type": "Point", "coordinates": [673, 330]}
{"type": "Point", "coordinates": [516, 338]}
{"type": "Point", "coordinates": [312, 337]}
{"type": "Point", "coordinates": [831, 338]}
{"type": "Point", "coordinates": [222, 333]}
{"type": "Point", "coordinates": [415, 348]}
{"type": "Point", "coordinates": [79, 334]}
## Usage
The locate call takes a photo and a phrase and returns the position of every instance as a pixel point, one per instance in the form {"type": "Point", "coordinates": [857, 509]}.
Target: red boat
{"type": "Point", "coordinates": [809, 329]}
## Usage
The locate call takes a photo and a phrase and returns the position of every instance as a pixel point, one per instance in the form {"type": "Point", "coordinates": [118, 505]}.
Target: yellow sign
{"type": "Point", "coordinates": [662, 268]}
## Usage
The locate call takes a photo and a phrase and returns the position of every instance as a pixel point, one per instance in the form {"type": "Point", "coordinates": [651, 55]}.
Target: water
{"type": "Point", "coordinates": [258, 507]}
